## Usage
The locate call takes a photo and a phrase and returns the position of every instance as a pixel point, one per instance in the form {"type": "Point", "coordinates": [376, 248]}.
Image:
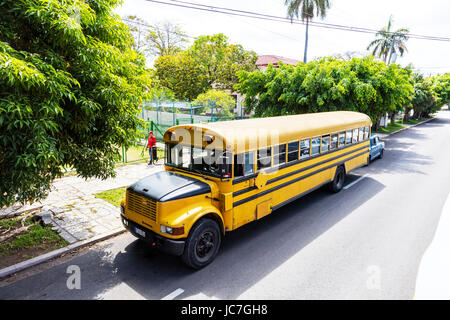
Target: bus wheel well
{"type": "Point", "coordinates": [214, 217]}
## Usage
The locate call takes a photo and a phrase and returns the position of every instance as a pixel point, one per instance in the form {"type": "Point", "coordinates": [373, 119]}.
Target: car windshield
{"type": "Point", "coordinates": [211, 162]}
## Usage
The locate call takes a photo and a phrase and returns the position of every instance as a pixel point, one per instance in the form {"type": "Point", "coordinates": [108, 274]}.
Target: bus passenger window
{"type": "Point", "coordinates": [238, 165]}
{"type": "Point", "coordinates": [243, 164]}
{"type": "Point", "coordinates": [341, 139]}
{"type": "Point", "coordinates": [325, 146]}
{"type": "Point", "coordinates": [315, 146]}
{"type": "Point", "coordinates": [304, 148]}
{"type": "Point", "coordinates": [355, 136]}
{"type": "Point", "coordinates": [293, 151]}
{"type": "Point", "coordinates": [248, 163]}
{"type": "Point", "coordinates": [361, 134]}
{"type": "Point", "coordinates": [348, 137]}
{"type": "Point", "coordinates": [366, 133]}
{"type": "Point", "coordinates": [264, 158]}
{"type": "Point", "coordinates": [279, 154]}
{"type": "Point", "coordinates": [334, 141]}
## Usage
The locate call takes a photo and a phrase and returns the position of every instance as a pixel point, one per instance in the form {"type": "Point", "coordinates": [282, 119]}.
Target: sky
{"type": "Point", "coordinates": [431, 18]}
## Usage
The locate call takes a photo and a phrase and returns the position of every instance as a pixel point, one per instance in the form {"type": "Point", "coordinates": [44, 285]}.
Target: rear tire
{"type": "Point", "coordinates": [202, 244]}
{"type": "Point", "coordinates": [339, 178]}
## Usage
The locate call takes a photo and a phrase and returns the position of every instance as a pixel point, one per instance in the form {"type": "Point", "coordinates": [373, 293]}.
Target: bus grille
{"type": "Point", "coordinates": [141, 205]}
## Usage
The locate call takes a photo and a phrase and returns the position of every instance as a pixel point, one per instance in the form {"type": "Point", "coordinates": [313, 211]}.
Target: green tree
{"type": "Point", "coordinates": [217, 102]}
{"type": "Point", "coordinates": [182, 75]}
{"type": "Point", "coordinates": [70, 92]}
{"type": "Point", "coordinates": [363, 85]}
{"type": "Point", "coordinates": [441, 86]}
{"type": "Point", "coordinates": [220, 60]}
{"type": "Point", "coordinates": [211, 62]}
{"type": "Point", "coordinates": [307, 10]}
{"type": "Point", "coordinates": [424, 98]}
{"type": "Point", "coordinates": [389, 42]}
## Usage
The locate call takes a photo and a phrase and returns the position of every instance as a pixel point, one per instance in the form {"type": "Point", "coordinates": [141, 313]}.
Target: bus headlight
{"type": "Point", "coordinates": [172, 231]}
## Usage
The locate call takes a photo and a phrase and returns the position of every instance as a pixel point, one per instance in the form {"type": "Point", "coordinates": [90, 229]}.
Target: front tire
{"type": "Point", "coordinates": [202, 244]}
{"type": "Point", "coordinates": [339, 178]}
{"type": "Point", "coordinates": [381, 154]}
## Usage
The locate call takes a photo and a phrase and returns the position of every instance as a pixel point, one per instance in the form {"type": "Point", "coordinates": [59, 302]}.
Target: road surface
{"type": "Point", "coordinates": [365, 242]}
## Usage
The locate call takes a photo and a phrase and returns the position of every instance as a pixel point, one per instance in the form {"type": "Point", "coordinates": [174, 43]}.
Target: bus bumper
{"type": "Point", "coordinates": [173, 247]}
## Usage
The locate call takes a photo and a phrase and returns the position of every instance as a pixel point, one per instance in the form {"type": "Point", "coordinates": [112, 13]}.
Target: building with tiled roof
{"type": "Point", "coordinates": [263, 61]}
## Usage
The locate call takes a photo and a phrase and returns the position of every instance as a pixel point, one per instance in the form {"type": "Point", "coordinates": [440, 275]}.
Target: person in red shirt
{"type": "Point", "coordinates": [152, 148]}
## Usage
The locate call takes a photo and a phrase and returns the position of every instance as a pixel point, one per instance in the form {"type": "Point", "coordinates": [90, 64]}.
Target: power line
{"type": "Point", "coordinates": [266, 17]}
{"type": "Point", "coordinates": [150, 27]}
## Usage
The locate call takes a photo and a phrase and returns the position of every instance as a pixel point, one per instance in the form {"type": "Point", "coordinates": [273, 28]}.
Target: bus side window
{"type": "Point", "coordinates": [341, 139]}
{"type": "Point", "coordinates": [348, 137]}
{"type": "Point", "coordinates": [361, 134]}
{"type": "Point", "coordinates": [249, 163]}
{"type": "Point", "coordinates": [366, 133]}
{"type": "Point", "coordinates": [279, 154]}
{"type": "Point", "coordinates": [355, 136]}
{"type": "Point", "coordinates": [243, 164]}
{"type": "Point", "coordinates": [264, 158]}
{"type": "Point", "coordinates": [325, 146]}
{"type": "Point", "coordinates": [304, 148]}
{"type": "Point", "coordinates": [293, 151]}
{"type": "Point", "coordinates": [315, 146]}
{"type": "Point", "coordinates": [334, 141]}
{"type": "Point", "coordinates": [238, 165]}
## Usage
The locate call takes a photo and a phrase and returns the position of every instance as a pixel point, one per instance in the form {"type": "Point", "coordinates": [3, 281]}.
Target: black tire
{"type": "Point", "coordinates": [338, 182]}
{"type": "Point", "coordinates": [202, 244]}
{"type": "Point", "coordinates": [381, 154]}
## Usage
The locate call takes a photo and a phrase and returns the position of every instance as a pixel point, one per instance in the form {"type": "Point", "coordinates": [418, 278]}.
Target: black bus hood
{"type": "Point", "coordinates": [167, 186]}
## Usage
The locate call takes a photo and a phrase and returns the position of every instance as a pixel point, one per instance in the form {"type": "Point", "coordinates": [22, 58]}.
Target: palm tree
{"type": "Point", "coordinates": [306, 10]}
{"type": "Point", "coordinates": [389, 42]}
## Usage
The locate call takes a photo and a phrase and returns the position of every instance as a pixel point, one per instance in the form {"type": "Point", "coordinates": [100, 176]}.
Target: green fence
{"type": "Point", "coordinates": [161, 115]}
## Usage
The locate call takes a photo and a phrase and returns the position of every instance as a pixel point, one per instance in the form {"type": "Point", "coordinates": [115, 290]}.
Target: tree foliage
{"type": "Point", "coordinates": [363, 85]}
{"type": "Point", "coordinates": [441, 86]}
{"type": "Point", "coordinates": [165, 39]}
{"type": "Point", "coordinates": [389, 42]}
{"type": "Point", "coordinates": [424, 99]}
{"type": "Point", "coordinates": [210, 62]}
{"type": "Point", "coordinates": [182, 75]}
{"type": "Point", "coordinates": [220, 60]}
{"type": "Point", "coordinates": [70, 89]}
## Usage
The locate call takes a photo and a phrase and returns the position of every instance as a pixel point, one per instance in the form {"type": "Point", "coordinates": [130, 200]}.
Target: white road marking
{"type": "Point", "coordinates": [120, 292]}
{"type": "Point", "coordinates": [355, 182]}
{"type": "Point", "coordinates": [173, 295]}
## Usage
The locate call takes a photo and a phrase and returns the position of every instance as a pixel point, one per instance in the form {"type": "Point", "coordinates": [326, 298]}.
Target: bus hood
{"type": "Point", "coordinates": [167, 186]}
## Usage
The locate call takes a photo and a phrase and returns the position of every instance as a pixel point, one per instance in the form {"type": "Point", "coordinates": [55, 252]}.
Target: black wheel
{"type": "Point", "coordinates": [381, 154]}
{"type": "Point", "coordinates": [202, 244]}
{"type": "Point", "coordinates": [339, 179]}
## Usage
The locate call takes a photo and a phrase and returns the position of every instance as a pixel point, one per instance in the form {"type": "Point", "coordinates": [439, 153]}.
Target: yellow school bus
{"type": "Point", "coordinates": [220, 176]}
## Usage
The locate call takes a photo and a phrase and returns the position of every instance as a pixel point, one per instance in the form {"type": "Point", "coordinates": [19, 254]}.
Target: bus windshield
{"type": "Point", "coordinates": [213, 162]}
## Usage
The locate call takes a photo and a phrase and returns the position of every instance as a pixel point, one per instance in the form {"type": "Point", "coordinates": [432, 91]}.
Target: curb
{"type": "Point", "coordinates": [405, 128]}
{"type": "Point", "coordinates": [56, 253]}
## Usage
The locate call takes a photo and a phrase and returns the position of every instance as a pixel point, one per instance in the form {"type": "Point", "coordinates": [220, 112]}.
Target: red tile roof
{"type": "Point", "coordinates": [266, 59]}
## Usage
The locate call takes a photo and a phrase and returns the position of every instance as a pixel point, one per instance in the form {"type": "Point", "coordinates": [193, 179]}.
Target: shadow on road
{"type": "Point", "coordinates": [248, 254]}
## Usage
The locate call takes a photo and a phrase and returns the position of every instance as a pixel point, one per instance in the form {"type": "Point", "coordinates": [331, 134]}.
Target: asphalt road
{"type": "Point", "coordinates": [365, 242]}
